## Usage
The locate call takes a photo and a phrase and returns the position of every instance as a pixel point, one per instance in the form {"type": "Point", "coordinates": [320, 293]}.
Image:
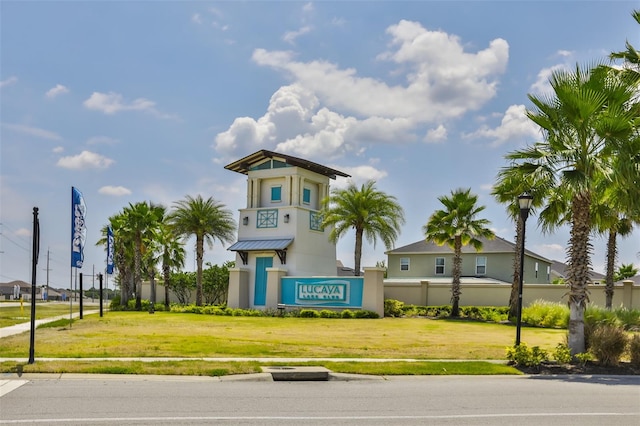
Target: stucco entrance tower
{"type": "Point", "coordinates": [279, 231]}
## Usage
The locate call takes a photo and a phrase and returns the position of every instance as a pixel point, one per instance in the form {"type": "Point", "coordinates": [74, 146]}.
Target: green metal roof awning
{"type": "Point", "coordinates": [278, 245]}
{"type": "Point", "coordinates": [253, 245]}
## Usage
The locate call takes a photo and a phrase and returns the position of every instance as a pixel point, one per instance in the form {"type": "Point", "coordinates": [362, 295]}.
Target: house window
{"type": "Point", "coordinates": [481, 265]}
{"type": "Point", "coordinates": [306, 196]}
{"type": "Point", "coordinates": [276, 193]}
{"type": "Point", "coordinates": [439, 265]}
{"type": "Point", "coordinates": [536, 269]}
{"type": "Point", "coordinates": [549, 273]}
{"type": "Point", "coordinates": [404, 263]}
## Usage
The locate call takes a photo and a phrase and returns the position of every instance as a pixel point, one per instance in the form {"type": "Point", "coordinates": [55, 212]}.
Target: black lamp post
{"type": "Point", "coordinates": [524, 201]}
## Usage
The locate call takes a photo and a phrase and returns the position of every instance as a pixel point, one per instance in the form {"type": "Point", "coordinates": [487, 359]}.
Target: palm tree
{"type": "Point", "coordinates": [172, 256]}
{"type": "Point", "coordinates": [584, 123]}
{"type": "Point", "coordinates": [123, 253]}
{"type": "Point", "coordinates": [625, 271]}
{"type": "Point", "coordinates": [142, 220]}
{"type": "Point", "coordinates": [631, 57]}
{"type": "Point", "coordinates": [509, 186]}
{"type": "Point", "coordinates": [370, 212]}
{"type": "Point", "coordinates": [457, 226]}
{"type": "Point", "coordinates": [208, 220]}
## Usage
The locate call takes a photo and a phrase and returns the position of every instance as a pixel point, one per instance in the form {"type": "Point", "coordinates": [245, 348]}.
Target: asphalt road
{"type": "Point", "coordinates": [435, 400]}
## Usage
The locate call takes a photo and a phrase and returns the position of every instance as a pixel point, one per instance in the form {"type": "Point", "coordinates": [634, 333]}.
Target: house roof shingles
{"type": "Point", "coordinates": [497, 245]}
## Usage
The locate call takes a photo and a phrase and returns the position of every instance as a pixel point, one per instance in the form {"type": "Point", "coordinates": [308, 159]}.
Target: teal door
{"type": "Point", "coordinates": [260, 288]}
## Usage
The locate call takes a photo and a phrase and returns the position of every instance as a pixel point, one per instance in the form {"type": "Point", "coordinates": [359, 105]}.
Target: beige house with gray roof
{"type": "Point", "coordinates": [424, 259]}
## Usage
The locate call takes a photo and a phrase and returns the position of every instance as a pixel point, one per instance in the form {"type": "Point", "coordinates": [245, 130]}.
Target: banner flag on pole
{"type": "Point", "coordinates": [110, 242]}
{"type": "Point", "coordinates": [78, 228]}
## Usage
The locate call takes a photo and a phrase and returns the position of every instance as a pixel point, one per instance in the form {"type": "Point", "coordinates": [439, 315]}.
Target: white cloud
{"type": "Point", "coordinates": [32, 131]}
{"type": "Point", "coordinates": [9, 81]}
{"type": "Point", "coordinates": [85, 160]}
{"type": "Point", "coordinates": [541, 86]}
{"type": "Point", "coordinates": [294, 123]}
{"type": "Point", "coordinates": [359, 175]}
{"type": "Point", "coordinates": [308, 7]}
{"type": "Point", "coordinates": [291, 36]}
{"type": "Point", "coordinates": [111, 103]}
{"type": "Point", "coordinates": [196, 18]}
{"type": "Point", "coordinates": [439, 134]}
{"type": "Point", "coordinates": [101, 140]}
{"type": "Point", "coordinates": [59, 89]}
{"type": "Point", "coordinates": [515, 126]}
{"type": "Point", "coordinates": [116, 191]}
{"type": "Point", "coordinates": [332, 111]}
{"type": "Point", "coordinates": [58, 150]}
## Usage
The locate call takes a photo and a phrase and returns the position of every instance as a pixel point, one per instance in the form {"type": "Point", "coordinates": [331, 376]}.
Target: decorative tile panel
{"type": "Point", "coordinates": [267, 218]}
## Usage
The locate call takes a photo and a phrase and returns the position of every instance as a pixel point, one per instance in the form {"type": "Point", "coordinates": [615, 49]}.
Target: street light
{"type": "Point", "coordinates": [524, 201]}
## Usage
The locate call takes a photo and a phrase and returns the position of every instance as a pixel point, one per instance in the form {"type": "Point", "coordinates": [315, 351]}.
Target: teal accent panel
{"type": "Point", "coordinates": [343, 292]}
{"type": "Point", "coordinates": [306, 195]}
{"type": "Point", "coordinates": [260, 290]}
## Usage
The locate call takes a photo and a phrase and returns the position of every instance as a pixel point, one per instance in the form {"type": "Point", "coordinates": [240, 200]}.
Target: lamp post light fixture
{"type": "Point", "coordinates": [524, 201]}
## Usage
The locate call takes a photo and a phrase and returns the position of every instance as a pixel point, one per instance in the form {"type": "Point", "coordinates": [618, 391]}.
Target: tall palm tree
{"type": "Point", "coordinates": [208, 220]}
{"type": "Point", "coordinates": [631, 57]}
{"type": "Point", "coordinates": [584, 123]}
{"type": "Point", "coordinates": [370, 212]}
{"type": "Point", "coordinates": [458, 225]}
{"type": "Point", "coordinates": [141, 223]}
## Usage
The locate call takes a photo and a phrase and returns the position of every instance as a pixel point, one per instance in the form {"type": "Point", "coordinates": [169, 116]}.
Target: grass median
{"type": "Point", "coordinates": [192, 336]}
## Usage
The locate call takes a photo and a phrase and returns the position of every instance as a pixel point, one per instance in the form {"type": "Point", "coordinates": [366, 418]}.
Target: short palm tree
{"type": "Point", "coordinates": [371, 213]}
{"type": "Point", "coordinates": [208, 220]}
{"type": "Point", "coordinates": [458, 225]}
{"type": "Point", "coordinates": [172, 256]}
{"type": "Point", "coordinates": [142, 220]}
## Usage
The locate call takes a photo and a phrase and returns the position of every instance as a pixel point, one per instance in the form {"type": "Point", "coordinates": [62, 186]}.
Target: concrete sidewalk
{"type": "Point", "coordinates": [26, 326]}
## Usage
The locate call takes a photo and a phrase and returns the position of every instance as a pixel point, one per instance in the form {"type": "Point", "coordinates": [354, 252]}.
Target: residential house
{"type": "Point", "coordinates": [495, 261]}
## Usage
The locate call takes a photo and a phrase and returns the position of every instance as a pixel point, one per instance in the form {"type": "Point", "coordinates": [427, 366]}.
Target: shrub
{"type": "Point", "coordinates": [393, 308]}
{"type": "Point", "coordinates": [524, 356]}
{"type": "Point", "coordinates": [309, 313]}
{"type": "Point", "coordinates": [608, 343]}
{"type": "Point", "coordinates": [562, 354]}
{"type": "Point", "coordinates": [346, 314]}
{"type": "Point", "coordinates": [366, 314]}
{"type": "Point", "coordinates": [546, 314]}
{"type": "Point", "coordinates": [326, 313]}
{"type": "Point", "coordinates": [634, 350]}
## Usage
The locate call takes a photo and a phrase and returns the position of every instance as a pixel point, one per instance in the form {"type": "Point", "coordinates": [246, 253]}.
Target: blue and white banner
{"type": "Point", "coordinates": [110, 242]}
{"type": "Point", "coordinates": [78, 228]}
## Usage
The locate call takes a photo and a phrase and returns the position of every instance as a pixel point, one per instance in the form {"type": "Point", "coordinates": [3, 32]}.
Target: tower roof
{"type": "Point", "coordinates": [244, 165]}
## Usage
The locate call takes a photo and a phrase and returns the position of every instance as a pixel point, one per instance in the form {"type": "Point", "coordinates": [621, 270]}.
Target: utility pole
{"type": "Point", "coordinates": [47, 269]}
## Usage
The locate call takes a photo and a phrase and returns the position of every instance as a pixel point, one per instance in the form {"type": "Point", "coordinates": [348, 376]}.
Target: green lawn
{"type": "Point", "coordinates": [139, 334]}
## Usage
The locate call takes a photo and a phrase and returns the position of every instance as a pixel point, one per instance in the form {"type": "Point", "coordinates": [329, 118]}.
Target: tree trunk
{"type": "Point", "coordinates": [358, 252]}
{"type": "Point", "coordinates": [579, 269]}
{"type": "Point", "coordinates": [152, 282]}
{"type": "Point", "coordinates": [611, 261]}
{"type": "Point", "coordinates": [515, 284]}
{"type": "Point", "coordinates": [137, 266]}
{"type": "Point", "coordinates": [199, 256]}
{"type": "Point", "coordinates": [455, 285]}
{"type": "Point", "coordinates": [166, 274]}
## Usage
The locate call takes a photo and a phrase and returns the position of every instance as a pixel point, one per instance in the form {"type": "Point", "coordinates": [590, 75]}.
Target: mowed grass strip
{"type": "Point", "coordinates": [12, 315]}
{"type": "Point", "coordinates": [139, 334]}
{"type": "Point", "coordinates": [215, 368]}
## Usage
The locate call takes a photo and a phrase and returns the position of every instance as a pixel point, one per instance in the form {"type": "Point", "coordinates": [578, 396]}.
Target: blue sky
{"type": "Point", "coordinates": [148, 100]}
